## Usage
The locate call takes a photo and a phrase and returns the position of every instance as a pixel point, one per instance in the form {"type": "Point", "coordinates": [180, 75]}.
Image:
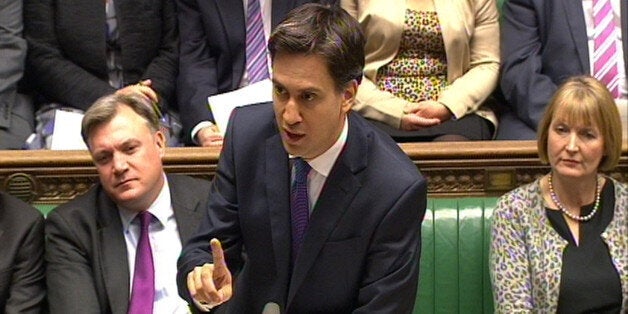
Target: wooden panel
{"type": "Point", "coordinates": [453, 169]}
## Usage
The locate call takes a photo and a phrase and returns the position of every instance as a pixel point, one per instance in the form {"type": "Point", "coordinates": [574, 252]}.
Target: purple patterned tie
{"type": "Point", "coordinates": [605, 57]}
{"type": "Point", "coordinates": [143, 292]}
{"type": "Point", "coordinates": [255, 43]}
{"type": "Point", "coordinates": [299, 205]}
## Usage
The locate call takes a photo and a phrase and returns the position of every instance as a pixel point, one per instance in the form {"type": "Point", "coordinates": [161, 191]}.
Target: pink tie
{"type": "Point", "coordinates": [143, 291]}
{"type": "Point", "coordinates": [256, 65]}
{"type": "Point", "coordinates": [605, 56]}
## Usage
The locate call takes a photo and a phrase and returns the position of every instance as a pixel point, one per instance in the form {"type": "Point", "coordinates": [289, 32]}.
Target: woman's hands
{"type": "Point", "coordinates": [424, 114]}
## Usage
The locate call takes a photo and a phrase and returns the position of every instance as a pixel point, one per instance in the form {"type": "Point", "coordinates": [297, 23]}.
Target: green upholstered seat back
{"type": "Point", "coordinates": [454, 257]}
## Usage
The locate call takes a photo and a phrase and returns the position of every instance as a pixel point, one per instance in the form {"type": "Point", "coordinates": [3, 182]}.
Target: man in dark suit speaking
{"type": "Point", "coordinates": [346, 236]}
{"type": "Point", "coordinates": [114, 249]}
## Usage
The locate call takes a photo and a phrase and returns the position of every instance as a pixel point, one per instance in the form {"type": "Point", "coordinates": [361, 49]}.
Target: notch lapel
{"type": "Point", "coordinates": [574, 15]}
{"type": "Point", "coordinates": [279, 10]}
{"type": "Point", "coordinates": [115, 262]}
{"type": "Point", "coordinates": [231, 14]}
{"type": "Point", "coordinates": [185, 205]}
{"type": "Point", "coordinates": [335, 199]}
{"type": "Point", "coordinates": [338, 193]}
{"type": "Point", "coordinates": [278, 191]}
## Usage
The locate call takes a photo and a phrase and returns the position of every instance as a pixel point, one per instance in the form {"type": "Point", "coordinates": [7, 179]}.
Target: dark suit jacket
{"type": "Point", "coordinates": [361, 250]}
{"type": "Point", "coordinates": [87, 270]}
{"type": "Point", "coordinates": [16, 110]}
{"type": "Point", "coordinates": [543, 43]}
{"type": "Point", "coordinates": [22, 281]}
{"type": "Point", "coordinates": [212, 52]}
{"type": "Point", "coordinates": [67, 60]}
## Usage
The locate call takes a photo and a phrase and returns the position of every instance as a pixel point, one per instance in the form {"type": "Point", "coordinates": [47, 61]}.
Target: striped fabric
{"type": "Point", "coordinates": [299, 205]}
{"type": "Point", "coordinates": [255, 43]}
{"type": "Point", "coordinates": [605, 56]}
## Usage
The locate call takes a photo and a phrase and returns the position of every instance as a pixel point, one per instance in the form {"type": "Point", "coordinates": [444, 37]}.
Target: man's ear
{"type": "Point", "coordinates": [160, 141]}
{"type": "Point", "coordinates": [348, 95]}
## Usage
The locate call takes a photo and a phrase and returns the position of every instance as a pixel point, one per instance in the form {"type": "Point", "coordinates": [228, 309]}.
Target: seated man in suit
{"type": "Point", "coordinates": [349, 237]}
{"type": "Point", "coordinates": [216, 38]}
{"type": "Point", "coordinates": [16, 110]}
{"type": "Point", "coordinates": [546, 42]}
{"type": "Point", "coordinates": [114, 249]}
{"type": "Point", "coordinates": [22, 281]}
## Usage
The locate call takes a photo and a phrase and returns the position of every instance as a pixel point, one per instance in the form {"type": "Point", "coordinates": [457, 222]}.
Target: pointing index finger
{"type": "Point", "coordinates": [217, 253]}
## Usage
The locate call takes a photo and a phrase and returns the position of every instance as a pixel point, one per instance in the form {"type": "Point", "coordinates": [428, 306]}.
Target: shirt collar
{"type": "Point", "coordinates": [161, 208]}
{"type": "Point", "coordinates": [325, 161]}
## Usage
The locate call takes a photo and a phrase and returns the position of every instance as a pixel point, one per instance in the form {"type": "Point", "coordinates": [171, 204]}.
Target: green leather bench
{"type": "Point", "coordinates": [454, 257]}
{"type": "Point", "coordinates": [454, 273]}
{"type": "Point", "coordinates": [464, 182]}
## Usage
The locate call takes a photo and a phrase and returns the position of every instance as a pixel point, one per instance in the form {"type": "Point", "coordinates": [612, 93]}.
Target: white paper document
{"type": "Point", "coordinates": [67, 131]}
{"type": "Point", "coordinates": [221, 105]}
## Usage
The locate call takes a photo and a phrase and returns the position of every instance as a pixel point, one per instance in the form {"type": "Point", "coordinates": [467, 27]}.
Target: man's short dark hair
{"type": "Point", "coordinates": [325, 30]}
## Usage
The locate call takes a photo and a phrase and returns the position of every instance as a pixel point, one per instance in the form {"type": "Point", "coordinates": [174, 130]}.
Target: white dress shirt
{"type": "Point", "coordinates": [321, 166]}
{"type": "Point", "coordinates": [166, 248]}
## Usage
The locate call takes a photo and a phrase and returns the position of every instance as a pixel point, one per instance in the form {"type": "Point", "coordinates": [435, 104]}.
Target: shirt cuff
{"type": "Point", "coordinates": [198, 127]}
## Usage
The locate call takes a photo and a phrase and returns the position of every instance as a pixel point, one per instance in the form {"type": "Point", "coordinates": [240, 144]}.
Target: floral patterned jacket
{"type": "Point", "coordinates": [526, 252]}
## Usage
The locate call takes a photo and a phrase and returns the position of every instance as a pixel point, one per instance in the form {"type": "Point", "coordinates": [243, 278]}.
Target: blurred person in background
{"type": "Point", "coordinates": [431, 67]}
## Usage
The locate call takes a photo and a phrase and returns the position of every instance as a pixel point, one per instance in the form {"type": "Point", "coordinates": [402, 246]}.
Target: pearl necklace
{"type": "Point", "coordinates": [562, 208]}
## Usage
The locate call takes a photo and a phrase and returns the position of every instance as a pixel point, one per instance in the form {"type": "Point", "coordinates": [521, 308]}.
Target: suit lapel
{"type": "Point", "coordinates": [232, 16]}
{"type": "Point", "coordinates": [278, 191]}
{"type": "Point", "coordinates": [578, 31]}
{"type": "Point", "coordinates": [185, 206]}
{"type": "Point", "coordinates": [279, 10]}
{"type": "Point", "coordinates": [115, 263]}
{"type": "Point", "coordinates": [338, 192]}
{"type": "Point", "coordinates": [233, 22]}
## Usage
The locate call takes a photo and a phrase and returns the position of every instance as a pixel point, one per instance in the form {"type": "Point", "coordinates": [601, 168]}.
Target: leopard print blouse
{"type": "Point", "coordinates": [526, 252]}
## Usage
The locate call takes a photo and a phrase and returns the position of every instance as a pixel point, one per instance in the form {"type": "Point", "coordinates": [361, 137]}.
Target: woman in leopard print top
{"type": "Point", "coordinates": [560, 244]}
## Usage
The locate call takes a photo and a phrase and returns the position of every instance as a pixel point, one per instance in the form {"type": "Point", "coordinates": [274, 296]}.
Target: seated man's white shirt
{"type": "Point", "coordinates": [166, 248]}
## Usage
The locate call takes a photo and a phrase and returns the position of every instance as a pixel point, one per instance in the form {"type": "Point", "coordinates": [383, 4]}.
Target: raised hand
{"type": "Point", "coordinates": [211, 284]}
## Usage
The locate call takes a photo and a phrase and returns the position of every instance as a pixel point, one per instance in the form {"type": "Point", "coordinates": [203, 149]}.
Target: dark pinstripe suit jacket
{"type": "Point", "coordinates": [66, 60]}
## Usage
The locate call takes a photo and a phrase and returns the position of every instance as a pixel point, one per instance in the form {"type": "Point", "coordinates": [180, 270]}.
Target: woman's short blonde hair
{"type": "Point", "coordinates": [584, 100]}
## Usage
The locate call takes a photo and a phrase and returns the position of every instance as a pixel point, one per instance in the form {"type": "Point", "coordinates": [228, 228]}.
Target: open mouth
{"type": "Point", "coordinates": [293, 137]}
